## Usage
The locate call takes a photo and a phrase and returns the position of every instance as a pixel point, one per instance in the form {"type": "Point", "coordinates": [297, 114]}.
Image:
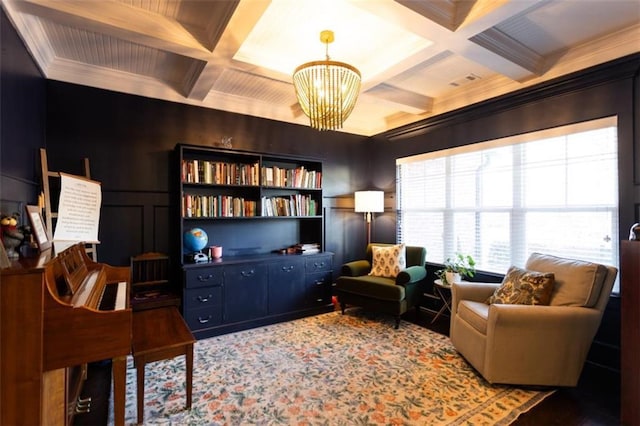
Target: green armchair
{"type": "Point", "coordinates": [380, 294]}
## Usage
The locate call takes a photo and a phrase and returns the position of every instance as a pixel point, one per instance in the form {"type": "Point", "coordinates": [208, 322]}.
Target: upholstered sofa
{"type": "Point", "coordinates": [390, 295]}
{"type": "Point", "coordinates": [533, 344]}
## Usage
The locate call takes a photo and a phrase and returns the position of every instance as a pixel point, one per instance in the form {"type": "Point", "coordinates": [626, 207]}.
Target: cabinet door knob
{"type": "Point", "coordinates": [247, 273]}
{"type": "Point", "coordinates": [320, 300]}
{"type": "Point", "coordinates": [204, 320]}
{"type": "Point", "coordinates": [288, 268]}
{"type": "Point", "coordinates": [205, 278]}
{"type": "Point", "coordinates": [320, 282]}
{"type": "Point", "coordinates": [319, 264]}
{"type": "Point", "coordinates": [205, 298]}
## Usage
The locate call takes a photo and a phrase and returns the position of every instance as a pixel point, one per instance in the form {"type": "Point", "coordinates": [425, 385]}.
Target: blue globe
{"type": "Point", "coordinates": [195, 239]}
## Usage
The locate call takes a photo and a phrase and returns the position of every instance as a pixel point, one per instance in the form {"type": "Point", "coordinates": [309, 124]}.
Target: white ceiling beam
{"type": "Point", "coordinates": [114, 19]}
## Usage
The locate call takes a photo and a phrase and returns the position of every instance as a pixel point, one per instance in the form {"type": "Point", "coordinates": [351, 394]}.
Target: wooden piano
{"type": "Point", "coordinates": [58, 313]}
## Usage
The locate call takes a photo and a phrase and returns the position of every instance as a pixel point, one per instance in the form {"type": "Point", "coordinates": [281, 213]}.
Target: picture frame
{"type": "Point", "coordinates": [4, 259]}
{"type": "Point", "coordinates": [38, 227]}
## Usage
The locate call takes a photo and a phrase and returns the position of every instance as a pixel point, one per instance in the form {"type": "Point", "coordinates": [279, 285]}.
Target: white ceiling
{"type": "Point", "coordinates": [418, 58]}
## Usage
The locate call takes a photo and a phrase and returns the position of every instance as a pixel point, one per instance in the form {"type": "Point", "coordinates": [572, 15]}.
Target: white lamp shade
{"type": "Point", "coordinates": [369, 201]}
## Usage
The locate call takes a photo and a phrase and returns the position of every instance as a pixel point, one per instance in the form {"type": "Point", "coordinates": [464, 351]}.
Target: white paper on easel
{"type": "Point", "coordinates": [78, 209]}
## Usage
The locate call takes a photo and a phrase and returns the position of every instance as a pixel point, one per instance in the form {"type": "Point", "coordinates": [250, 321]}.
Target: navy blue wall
{"type": "Point", "coordinates": [22, 122]}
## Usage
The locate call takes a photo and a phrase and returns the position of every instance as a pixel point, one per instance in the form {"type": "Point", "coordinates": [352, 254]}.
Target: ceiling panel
{"type": "Point", "coordinates": [417, 58]}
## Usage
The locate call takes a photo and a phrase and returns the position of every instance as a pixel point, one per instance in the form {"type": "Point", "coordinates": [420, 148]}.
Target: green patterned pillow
{"type": "Point", "coordinates": [388, 261]}
{"type": "Point", "coordinates": [522, 287]}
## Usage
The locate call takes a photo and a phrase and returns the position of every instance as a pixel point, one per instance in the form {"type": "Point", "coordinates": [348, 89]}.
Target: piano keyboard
{"type": "Point", "coordinates": [114, 297]}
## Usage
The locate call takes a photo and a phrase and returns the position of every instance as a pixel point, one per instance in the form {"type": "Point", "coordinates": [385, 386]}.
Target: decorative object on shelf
{"type": "Point", "coordinates": [4, 259]}
{"type": "Point", "coordinates": [368, 202]}
{"type": "Point", "coordinates": [327, 90]}
{"type": "Point", "coordinates": [634, 232]}
{"type": "Point", "coordinates": [39, 231]}
{"type": "Point", "coordinates": [216, 252]}
{"type": "Point", "coordinates": [194, 240]}
{"type": "Point", "coordinates": [12, 235]}
{"type": "Point", "coordinates": [457, 267]}
{"type": "Point", "coordinates": [225, 142]}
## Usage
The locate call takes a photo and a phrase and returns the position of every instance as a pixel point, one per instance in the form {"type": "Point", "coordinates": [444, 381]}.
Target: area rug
{"type": "Point", "coordinates": [330, 369]}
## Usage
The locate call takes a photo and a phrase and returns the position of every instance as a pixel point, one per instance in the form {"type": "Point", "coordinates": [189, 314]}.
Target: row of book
{"type": "Point", "coordinates": [220, 173]}
{"type": "Point", "coordinates": [229, 206]}
{"type": "Point", "coordinates": [217, 206]}
{"type": "Point", "coordinates": [293, 205]}
{"type": "Point", "coordinates": [299, 177]}
{"type": "Point", "coordinates": [223, 173]}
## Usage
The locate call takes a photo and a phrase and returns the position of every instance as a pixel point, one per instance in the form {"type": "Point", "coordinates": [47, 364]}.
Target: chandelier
{"type": "Point", "coordinates": [327, 90]}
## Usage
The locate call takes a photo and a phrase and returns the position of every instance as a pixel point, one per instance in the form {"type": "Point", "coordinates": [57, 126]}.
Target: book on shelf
{"type": "Point", "coordinates": [219, 172]}
{"type": "Point", "coordinates": [305, 248]}
{"type": "Point", "coordinates": [298, 177]}
{"type": "Point", "coordinates": [195, 206]}
{"type": "Point", "coordinates": [293, 205]}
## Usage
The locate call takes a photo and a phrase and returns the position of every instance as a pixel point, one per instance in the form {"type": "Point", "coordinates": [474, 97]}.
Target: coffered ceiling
{"type": "Point", "coordinates": [418, 58]}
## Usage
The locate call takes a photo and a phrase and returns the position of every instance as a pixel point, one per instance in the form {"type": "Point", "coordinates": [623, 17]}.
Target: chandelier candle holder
{"type": "Point", "coordinates": [327, 90]}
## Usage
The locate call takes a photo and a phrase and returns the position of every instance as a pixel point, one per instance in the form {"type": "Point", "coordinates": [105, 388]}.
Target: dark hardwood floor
{"type": "Point", "coordinates": [595, 401]}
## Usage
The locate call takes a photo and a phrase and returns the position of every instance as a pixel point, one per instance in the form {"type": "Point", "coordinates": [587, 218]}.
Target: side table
{"type": "Point", "coordinates": [443, 291]}
{"type": "Point", "coordinates": [158, 334]}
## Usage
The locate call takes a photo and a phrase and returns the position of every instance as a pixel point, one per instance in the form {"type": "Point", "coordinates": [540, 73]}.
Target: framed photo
{"type": "Point", "coordinates": [38, 228]}
{"type": "Point", "coordinates": [4, 259]}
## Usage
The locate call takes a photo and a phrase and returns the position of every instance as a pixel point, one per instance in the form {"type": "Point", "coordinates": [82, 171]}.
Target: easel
{"type": "Point", "coordinates": [50, 215]}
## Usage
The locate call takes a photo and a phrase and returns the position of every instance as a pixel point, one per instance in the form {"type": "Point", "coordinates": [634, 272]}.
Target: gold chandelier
{"type": "Point", "coordinates": [327, 90]}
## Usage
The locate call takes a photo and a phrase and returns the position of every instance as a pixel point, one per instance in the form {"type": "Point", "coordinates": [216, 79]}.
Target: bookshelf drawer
{"type": "Point", "coordinates": [204, 277]}
{"type": "Point", "coordinates": [198, 319]}
{"type": "Point", "coordinates": [202, 297]}
{"type": "Point", "coordinates": [318, 264]}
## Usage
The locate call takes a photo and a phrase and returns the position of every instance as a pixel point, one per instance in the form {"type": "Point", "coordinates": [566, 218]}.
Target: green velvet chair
{"type": "Point", "coordinates": [378, 294]}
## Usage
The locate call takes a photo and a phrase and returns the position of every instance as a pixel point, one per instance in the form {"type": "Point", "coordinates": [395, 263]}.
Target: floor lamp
{"type": "Point", "coordinates": [368, 202]}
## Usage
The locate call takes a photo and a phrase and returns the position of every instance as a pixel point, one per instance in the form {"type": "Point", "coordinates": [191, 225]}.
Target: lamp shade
{"type": "Point", "coordinates": [369, 201]}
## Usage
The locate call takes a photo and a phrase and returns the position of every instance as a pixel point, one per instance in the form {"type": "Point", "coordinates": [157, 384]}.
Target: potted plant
{"type": "Point", "coordinates": [457, 267]}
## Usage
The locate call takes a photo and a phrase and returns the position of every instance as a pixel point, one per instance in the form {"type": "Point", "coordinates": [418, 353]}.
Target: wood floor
{"type": "Point", "coordinates": [595, 401]}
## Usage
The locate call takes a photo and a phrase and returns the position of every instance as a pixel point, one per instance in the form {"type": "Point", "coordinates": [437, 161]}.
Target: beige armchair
{"type": "Point", "coordinates": [533, 344]}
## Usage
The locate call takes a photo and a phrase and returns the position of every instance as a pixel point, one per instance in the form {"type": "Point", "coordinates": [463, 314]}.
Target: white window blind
{"type": "Point", "coordinates": [554, 192]}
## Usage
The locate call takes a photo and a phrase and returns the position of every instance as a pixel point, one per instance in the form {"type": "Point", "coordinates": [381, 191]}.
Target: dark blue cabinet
{"type": "Point", "coordinates": [286, 286]}
{"type": "Point", "coordinates": [245, 292]}
{"type": "Point", "coordinates": [239, 293]}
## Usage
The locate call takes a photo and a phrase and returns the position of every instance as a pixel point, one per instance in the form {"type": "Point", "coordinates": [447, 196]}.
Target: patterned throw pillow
{"type": "Point", "coordinates": [388, 261]}
{"type": "Point", "coordinates": [522, 287]}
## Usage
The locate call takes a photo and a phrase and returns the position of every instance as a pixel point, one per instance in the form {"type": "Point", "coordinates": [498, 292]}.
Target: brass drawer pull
{"type": "Point", "coordinates": [205, 278]}
{"type": "Point", "coordinates": [204, 320]}
{"type": "Point", "coordinates": [204, 299]}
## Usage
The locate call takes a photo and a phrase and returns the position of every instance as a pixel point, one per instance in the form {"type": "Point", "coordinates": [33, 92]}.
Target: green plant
{"type": "Point", "coordinates": [460, 264]}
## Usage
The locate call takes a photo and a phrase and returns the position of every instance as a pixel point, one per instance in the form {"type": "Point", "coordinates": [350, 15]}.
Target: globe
{"type": "Point", "coordinates": [195, 239]}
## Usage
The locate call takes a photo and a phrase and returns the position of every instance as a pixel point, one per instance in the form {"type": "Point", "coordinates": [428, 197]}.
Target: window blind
{"type": "Point", "coordinates": [554, 192]}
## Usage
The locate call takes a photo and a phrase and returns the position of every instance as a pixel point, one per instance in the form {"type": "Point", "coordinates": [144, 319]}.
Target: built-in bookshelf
{"type": "Point", "coordinates": [266, 213]}
{"type": "Point", "coordinates": [249, 202]}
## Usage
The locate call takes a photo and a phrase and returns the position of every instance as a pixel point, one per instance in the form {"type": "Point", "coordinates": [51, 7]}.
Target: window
{"type": "Point", "coordinates": [554, 191]}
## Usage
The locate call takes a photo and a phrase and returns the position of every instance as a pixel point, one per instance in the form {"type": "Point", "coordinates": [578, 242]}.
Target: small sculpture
{"type": "Point", "coordinates": [225, 142]}
{"type": "Point", "coordinates": [12, 235]}
{"type": "Point", "coordinates": [634, 232]}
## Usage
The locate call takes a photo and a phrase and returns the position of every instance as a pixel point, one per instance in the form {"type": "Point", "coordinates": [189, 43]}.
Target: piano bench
{"type": "Point", "coordinates": [149, 345]}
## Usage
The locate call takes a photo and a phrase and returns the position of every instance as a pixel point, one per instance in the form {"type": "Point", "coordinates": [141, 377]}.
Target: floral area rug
{"type": "Point", "coordinates": [330, 369]}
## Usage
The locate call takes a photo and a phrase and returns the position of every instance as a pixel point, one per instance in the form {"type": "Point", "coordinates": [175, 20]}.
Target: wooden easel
{"type": "Point", "coordinates": [50, 215]}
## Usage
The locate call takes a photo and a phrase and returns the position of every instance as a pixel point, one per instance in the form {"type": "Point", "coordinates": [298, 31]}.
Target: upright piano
{"type": "Point", "coordinates": [59, 312]}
